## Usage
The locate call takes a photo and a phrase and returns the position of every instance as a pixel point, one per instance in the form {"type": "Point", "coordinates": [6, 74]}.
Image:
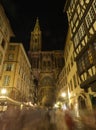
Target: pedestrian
{"type": "Point", "coordinates": [69, 121]}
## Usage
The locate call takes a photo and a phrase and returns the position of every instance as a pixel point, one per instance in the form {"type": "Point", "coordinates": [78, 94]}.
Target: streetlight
{"type": "Point", "coordinates": [64, 98]}
{"type": "Point", "coordinates": [63, 94]}
{"type": "Point", "coordinates": [3, 91]}
{"type": "Point", "coordinates": [3, 104]}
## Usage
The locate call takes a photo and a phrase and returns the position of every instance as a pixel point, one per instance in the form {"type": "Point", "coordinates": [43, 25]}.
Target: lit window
{"type": "Point", "coordinates": [6, 80]}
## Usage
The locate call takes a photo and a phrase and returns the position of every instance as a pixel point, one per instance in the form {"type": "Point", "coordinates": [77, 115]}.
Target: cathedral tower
{"type": "Point", "coordinates": [46, 66]}
{"type": "Point", "coordinates": [35, 42]}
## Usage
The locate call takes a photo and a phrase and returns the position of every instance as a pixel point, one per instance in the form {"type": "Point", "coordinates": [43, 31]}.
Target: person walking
{"type": "Point", "coordinates": [69, 121]}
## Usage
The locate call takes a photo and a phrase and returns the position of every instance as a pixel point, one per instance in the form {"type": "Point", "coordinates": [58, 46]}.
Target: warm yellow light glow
{"type": "Point", "coordinates": [64, 107]}
{"type": "Point", "coordinates": [63, 94]}
{"type": "Point", "coordinates": [3, 91]}
{"type": "Point", "coordinates": [57, 105]}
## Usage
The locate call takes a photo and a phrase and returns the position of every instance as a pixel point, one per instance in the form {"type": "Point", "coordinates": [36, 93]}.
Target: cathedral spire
{"type": "Point", "coordinates": [37, 26]}
{"type": "Point", "coordinates": [36, 38]}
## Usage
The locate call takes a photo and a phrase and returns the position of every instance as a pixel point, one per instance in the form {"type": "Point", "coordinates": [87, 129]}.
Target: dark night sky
{"type": "Point", "coordinates": [22, 15]}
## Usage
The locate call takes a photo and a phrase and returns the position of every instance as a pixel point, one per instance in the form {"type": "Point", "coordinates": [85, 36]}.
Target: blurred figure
{"type": "Point", "coordinates": [88, 118]}
{"type": "Point", "coordinates": [69, 120]}
{"type": "Point", "coordinates": [60, 122]}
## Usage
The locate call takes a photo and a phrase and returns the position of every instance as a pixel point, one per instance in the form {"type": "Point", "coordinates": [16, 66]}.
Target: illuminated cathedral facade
{"type": "Point", "coordinates": [46, 66]}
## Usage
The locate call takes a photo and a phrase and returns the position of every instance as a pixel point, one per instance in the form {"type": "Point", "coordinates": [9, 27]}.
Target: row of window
{"type": "Point", "coordinates": [24, 74]}
{"type": "Point", "coordinates": [88, 74]}
{"type": "Point", "coordinates": [90, 17]}
{"type": "Point", "coordinates": [73, 82]}
{"type": "Point", "coordinates": [78, 13]}
{"type": "Point", "coordinates": [85, 61]}
{"type": "Point", "coordinates": [22, 87]}
{"type": "Point", "coordinates": [10, 67]}
{"type": "Point", "coordinates": [7, 78]}
{"type": "Point", "coordinates": [47, 63]}
{"type": "Point", "coordinates": [77, 8]}
{"type": "Point", "coordinates": [79, 35]}
{"type": "Point", "coordinates": [68, 68]}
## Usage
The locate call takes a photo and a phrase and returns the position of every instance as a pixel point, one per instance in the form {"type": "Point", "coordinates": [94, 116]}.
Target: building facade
{"type": "Point", "coordinates": [82, 20]}
{"type": "Point", "coordinates": [46, 66]}
{"type": "Point", "coordinates": [16, 74]}
{"type": "Point", "coordinates": [68, 81]}
{"type": "Point", "coordinates": [5, 34]}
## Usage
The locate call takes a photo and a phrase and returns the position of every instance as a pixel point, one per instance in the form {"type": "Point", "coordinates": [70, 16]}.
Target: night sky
{"type": "Point", "coordinates": [22, 15]}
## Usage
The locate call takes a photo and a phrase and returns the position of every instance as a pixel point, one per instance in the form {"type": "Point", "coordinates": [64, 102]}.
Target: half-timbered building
{"type": "Point", "coordinates": [82, 20]}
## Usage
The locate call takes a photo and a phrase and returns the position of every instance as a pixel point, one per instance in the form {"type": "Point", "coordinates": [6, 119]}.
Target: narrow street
{"type": "Point", "coordinates": [39, 119]}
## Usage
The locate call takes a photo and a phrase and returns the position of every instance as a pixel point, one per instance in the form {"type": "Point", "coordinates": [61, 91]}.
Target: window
{"type": "Point", "coordinates": [71, 86]}
{"type": "Point", "coordinates": [72, 60]}
{"type": "Point", "coordinates": [11, 47]}
{"type": "Point", "coordinates": [81, 31]}
{"type": "Point", "coordinates": [94, 5]}
{"type": "Point", "coordinates": [35, 40]}
{"type": "Point", "coordinates": [3, 43]}
{"type": "Point", "coordinates": [88, 20]}
{"type": "Point", "coordinates": [1, 57]}
{"type": "Point", "coordinates": [90, 17]}
{"type": "Point", "coordinates": [6, 80]}
{"type": "Point", "coordinates": [6, 32]}
{"type": "Point", "coordinates": [94, 45]}
{"type": "Point", "coordinates": [87, 1]}
{"type": "Point", "coordinates": [74, 79]}
{"type": "Point", "coordinates": [91, 11]}
{"type": "Point", "coordinates": [8, 67]}
{"type": "Point", "coordinates": [76, 40]}
{"type": "Point", "coordinates": [90, 56]}
{"type": "Point", "coordinates": [75, 18]}
{"type": "Point", "coordinates": [81, 65]}
{"type": "Point", "coordinates": [10, 56]}
{"type": "Point", "coordinates": [87, 64]}
{"type": "Point", "coordinates": [82, 2]}
{"type": "Point", "coordinates": [1, 23]}
{"type": "Point", "coordinates": [78, 9]}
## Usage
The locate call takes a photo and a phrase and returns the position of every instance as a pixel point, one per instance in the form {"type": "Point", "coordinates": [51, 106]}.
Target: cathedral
{"type": "Point", "coordinates": [46, 66]}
